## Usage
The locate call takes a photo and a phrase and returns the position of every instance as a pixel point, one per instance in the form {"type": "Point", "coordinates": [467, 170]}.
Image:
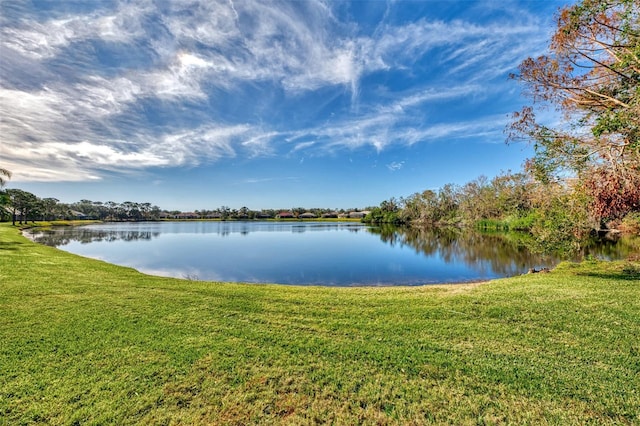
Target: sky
{"type": "Point", "coordinates": [198, 104]}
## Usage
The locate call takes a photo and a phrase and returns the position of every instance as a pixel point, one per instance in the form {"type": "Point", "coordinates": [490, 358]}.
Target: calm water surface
{"type": "Point", "coordinates": [304, 253]}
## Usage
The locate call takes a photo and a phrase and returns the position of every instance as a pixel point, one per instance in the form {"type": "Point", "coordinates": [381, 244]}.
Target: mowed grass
{"type": "Point", "coordinates": [86, 342]}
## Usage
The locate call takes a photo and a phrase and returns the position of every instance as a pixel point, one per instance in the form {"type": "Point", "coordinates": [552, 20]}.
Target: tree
{"type": "Point", "coordinates": [592, 76]}
{"type": "Point", "coordinates": [478, 200]}
{"type": "Point", "coordinates": [4, 199]}
{"type": "Point", "coordinates": [224, 212]}
{"type": "Point", "coordinates": [111, 207]}
{"type": "Point", "coordinates": [4, 175]}
{"type": "Point", "coordinates": [22, 203]}
{"type": "Point", "coordinates": [48, 208]}
{"type": "Point", "coordinates": [389, 206]}
{"type": "Point", "coordinates": [388, 212]}
{"type": "Point", "coordinates": [421, 207]}
{"type": "Point", "coordinates": [145, 210]}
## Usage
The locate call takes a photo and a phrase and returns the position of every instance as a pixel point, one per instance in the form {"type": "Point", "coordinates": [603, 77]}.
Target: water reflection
{"type": "Point", "coordinates": [63, 236]}
{"type": "Point", "coordinates": [505, 253]}
{"type": "Point", "coordinates": [610, 247]}
{"type": "Point", "coordinates": [324, 253]}
{"type": "Point", "coordinates": [484, 252]}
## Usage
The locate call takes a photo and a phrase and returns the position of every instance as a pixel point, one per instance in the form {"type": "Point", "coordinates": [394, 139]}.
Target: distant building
{"type": "Point", "coordinates": [358, 215]}
{"type": "Point", "coordinates": [307, 215]}
{"type": "Point", "coordinates": [285, 215]}
{"type": "Point", "coordinates": [78, 215]}
{"type": "Point", "coordinates": [187, 215]}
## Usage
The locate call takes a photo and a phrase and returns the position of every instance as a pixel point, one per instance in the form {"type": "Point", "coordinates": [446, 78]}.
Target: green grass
{"type": "Point", "coordinates": [85, 342]}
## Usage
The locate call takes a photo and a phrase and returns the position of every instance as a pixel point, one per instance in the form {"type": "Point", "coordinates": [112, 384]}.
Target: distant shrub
{"type": "Point", "coordinates": [631, 223]}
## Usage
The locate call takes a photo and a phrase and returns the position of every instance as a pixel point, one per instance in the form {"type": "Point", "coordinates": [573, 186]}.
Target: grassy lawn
{"type": "Point", "coordinates": [85, 342]}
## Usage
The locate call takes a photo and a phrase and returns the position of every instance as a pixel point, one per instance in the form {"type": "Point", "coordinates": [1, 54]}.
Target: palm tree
{"type": "Point", "coordinates": [4, 175]}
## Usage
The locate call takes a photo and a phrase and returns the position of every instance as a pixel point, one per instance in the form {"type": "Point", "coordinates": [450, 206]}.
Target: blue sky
{"type": "Point", "coordinates": [197, 104]}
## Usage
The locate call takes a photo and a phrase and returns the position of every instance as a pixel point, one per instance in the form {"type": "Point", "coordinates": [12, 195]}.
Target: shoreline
{"type": "Point", "coordinates": [26, 231]}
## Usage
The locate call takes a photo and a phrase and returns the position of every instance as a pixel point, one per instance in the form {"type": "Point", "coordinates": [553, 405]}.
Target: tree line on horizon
{"type": "Point", "coordinates": [22, 206]}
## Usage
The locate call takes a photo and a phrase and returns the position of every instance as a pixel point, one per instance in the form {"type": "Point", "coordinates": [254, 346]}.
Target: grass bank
{"type": "Point", "coordinates": [86, 342]}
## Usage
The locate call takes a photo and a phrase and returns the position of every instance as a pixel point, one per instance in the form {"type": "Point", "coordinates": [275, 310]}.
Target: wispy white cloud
{"type": "Point", "coordinates": [44, 40]}
{"type": "Point", "coordinates": [398, 123]}
{"type": "Point", "coordinates": [137, 86]}
{"type": "Point", "coordinates": [303, 145]}
{"type": "Point", "coordinates": [51, 136]}
{"type": "Point", "coordinates": [200, 145]}
{"type": "Point", "coordinates": [394, 166]}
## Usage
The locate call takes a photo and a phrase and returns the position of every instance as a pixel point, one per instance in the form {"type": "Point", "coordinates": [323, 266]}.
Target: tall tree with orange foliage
{"type": "Point", "coordinates": [592, 76]}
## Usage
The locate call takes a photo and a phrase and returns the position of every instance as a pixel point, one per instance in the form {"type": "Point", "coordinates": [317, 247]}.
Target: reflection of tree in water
{"type": "Point", "coordinates": [611, 247]}
{"type": "Point", "coordinates": [504, 253]}
{"type": "Point", "coordinates": [505, 256]}
{"type": "Point", "coordinates": [243, 228]}
{"type": "Point", "coordinates": [64, 236]}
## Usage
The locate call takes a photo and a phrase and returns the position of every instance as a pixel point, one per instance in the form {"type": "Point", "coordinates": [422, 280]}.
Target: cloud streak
{"type": "Point", "coordinates": [139, 86]}
{"type": "Point", "coordinates": [395, 165]}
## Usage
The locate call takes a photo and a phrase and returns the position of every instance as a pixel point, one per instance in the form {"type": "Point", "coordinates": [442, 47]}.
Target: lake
{"type": "Point", "coordinates": [305, 253]}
